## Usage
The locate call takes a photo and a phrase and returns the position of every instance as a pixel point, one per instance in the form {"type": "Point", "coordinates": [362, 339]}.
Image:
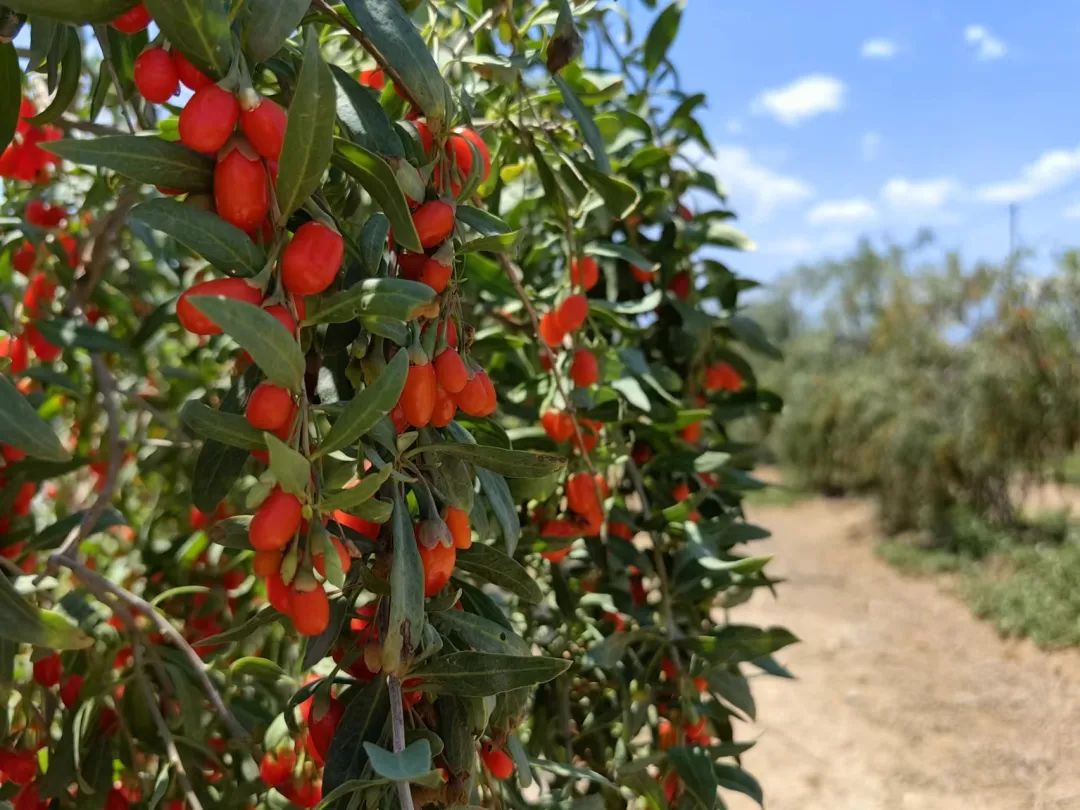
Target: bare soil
{"type": "Point", "coordinates": [903, 699]}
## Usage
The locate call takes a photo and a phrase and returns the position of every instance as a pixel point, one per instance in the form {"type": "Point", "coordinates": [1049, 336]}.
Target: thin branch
{"type": "Point", "coordinates": [69, 122]}
{"type": "Point", "coordinates": [513, 272]}
{"type": "Point", "coordinates": [101, 585]}
{"type": "Point", "coordinates": [165, 734]}
{"type": "Point", "coordinates": [369, 46]}
{"type": "Point", "coordinates": [397, 718]}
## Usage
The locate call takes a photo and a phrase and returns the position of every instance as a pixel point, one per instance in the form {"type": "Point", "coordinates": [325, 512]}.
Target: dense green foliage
{"type": "Point", "coordinates": [455, 403]}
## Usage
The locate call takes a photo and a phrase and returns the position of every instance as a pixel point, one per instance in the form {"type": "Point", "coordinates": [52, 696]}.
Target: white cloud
{"type": "Point", "coordinates": [878, 48]}
{"type": "Point", "coordinates": [751, 184]}
{"type": "Point", "coordinates": [922, 195]}
{"type": "Point", "coordinates": [987, 46]}
{"type": "Point", "coordinates": [804, 98]}
{"type": "Point", "coordinates": [841, 212]}
{"type": "Point", "coordinates": [1050, 170]}
{"type": "Point", "coordinates": [869, 144]}
{"type": "Point", "coordinates": [1072, 212]}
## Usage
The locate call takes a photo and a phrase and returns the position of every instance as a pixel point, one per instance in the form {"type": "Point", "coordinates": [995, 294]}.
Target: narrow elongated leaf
{"type": "Point", "coordinates": [219, 465]}
{"type": "Point", "coordinates": [662, 34]}
{"type": "Point", "coordinates": [735, 643]}
{"type": "Point", "coordinates": [475, 674]}
{"type": "Point", "coordinates": [199, 28]}
{"type": "Point", "coordinates": [10, 93]}
{"type": "Point", "coordinates": [404, 766]}
{"type": "Point", "coordinates": [502, 504]}
{"type": "Point", "coordinates": [142, 158]}
{"type": "Point", "coordinates": [624, 252]}
{"type": "Point", "coordinates": [363, 117]}
{"type": "Point", "coordinates": [258, 332]}
{"type": "Point", "coordinates": [223, 245]}
{"type": "Point", "coordinates": [22, 622]}
{"type": "Point", "coordinates": [310, 131]}
{"type": "Point", "coordinates": [268, 24]}
{"type": "Point", "coordinates": [491, 565]}
{"type": "Point", "coordinates": [398, 44]}
{"type": "Point", "coordinates": [406, 590]}
{"type": "Point", "coordinates": [231, 429]}
{"type": "Point", "coordinates": [395, 298]}
{"type": "Point", "coordinates": [364, 720]}
{"type": "Point", "coordinates": [585, 120]}
{"type": "Point", "coordinates": [511, 463]}
{"type": "Point", "coordinates": [483, 635]}
{"type": "Point", "coordinates": [70, 66]}
{"type": "Point", "coordinates": [21, 427]}
{"type": "Point", "coordinates": [291, 469]}
{"type": "Point", "coordinates": [73, 11]}
{"type": "Point", "coordinates": [619, 196]}
{"type": "Point", "coordinates": [369, 406]}
{"type": "Point", "coordinates": [695, 768]}
{"type": "Point", "coordinates": [351, 498]}
{"type": "Point", "coordinates": [377, 178]}
{"type": "Point", "coordinates": [53, 535]}
{"type": "Point", "coordinates": [734, 778]}
{"type": "Point", "coordinates": [69, 333]}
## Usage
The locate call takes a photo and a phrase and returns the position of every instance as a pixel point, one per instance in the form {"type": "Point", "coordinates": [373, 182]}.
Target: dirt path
{"type": "Point", "coordinates": [904, 701]}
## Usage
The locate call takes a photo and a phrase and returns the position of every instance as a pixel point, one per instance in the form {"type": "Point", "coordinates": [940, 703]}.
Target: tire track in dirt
{"type": "Point", "coordinates": [904, 700]}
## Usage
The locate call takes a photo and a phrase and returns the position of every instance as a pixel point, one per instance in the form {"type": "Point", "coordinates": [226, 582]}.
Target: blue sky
{"type": "Point", "coordinates": [835, 119]}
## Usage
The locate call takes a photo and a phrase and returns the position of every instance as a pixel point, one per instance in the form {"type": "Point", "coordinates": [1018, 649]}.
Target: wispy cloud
{"type": "Point", "coordinates": [841, 212]}
{"type": "Point", "coordinates": [919, 195]}
{"type": "Point", "coordinates": [987, 46]}
{"type": "Point", "coordinates": [1049, 171]}
{"type": "Point", "coordinates": [753, 187]}
{"type": "Point", "coordinates": [804, 98]}
{"type": "Point", "coordinates": [878, 48]}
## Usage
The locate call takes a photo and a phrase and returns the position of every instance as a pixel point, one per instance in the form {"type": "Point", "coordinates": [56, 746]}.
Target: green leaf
{"type": "Point", "coordinates": [619, 196]}
{"type": "Point", "coordinates": [624, 252]}
{"type": "Point", "coordinates": [10, 93]}
{"type": "Point", "coordinates": [483, 635]}
{"type": "Point", "coordinates": [53, 534]}
{"type": "Point", "coordinates": [491, 565]}
{"type": "Point", "coordinates": [222, 244]}
{"type": "Point", "coordinates": [510, 463]}
{"type": "Point", "coordinates": [291, 469]}
{"type": "Point", "coordinates": [369, 406]}
{"type": "Point", "coordinates": [310, 132]}
{"type": "Point", "coordinates": [347, 499]}
{"type": "Point", "coordinates": [266, 615]}
{"type": "Point", "coordinates": [397, 43]}
{"type": "Point", "coordinates": [73, 11]}
{"type": "Point", "coordinates": [70, 67]}
{"type": "Point", "coordinates": [725, 234]}
{"type": "Point", "coordinates": [585, 120]}
{"type": "Point", "coordinates": [495, 235]}
{"type": "Point", "coordinates": [632, 391]}
{"type": "Point", "coordinates": [406, 591]}
{"type": "Point", "coordinates": [260, 668]}
{"type": "Point", "coordinates": [503, 505]}
{"type": "Point", "coordinates": [695, 768]}
{"type": "Point", "coordinates": [377, 178]}
{"type": "Point", "coordinates": [21, 427]}
{"type": "Point", "coordinates": [230, 429]}
{"type": "Point", "coordinates": [662, 34]}
{"type": "Point", "coordinates": [219, 465]}
{"type": "Point", "coordinates": [750, 333]}
{"type": "Point", "coordinates": [268, 23]}
{"type": "Point", "coordinates": [142, 158]}
{"type": "Point", "coordinates": [736, 779]}
{"type": "Point", "coordinates": [475, 674]}
{"type": "Point", "coordinates": [199, 28]}
{"type": "Point", "coordinates": [373, 241]}
{"type": "Point", "coordinates": [258, 332]}
{"type": "Point", "coordinates": [22, 622]}
{"type": "Point", "coordinates": [395, 298]}
{"type": "Point", "coordinates": [70, 333]}
{"type": "Point", "coordinates": [404, 766]}
{"type": "Point", "coordinates": [363, 117]}
{"type": "Point", "coordinates": [735, 643]}
{"type": "Point", "coordinates": [364, 720]}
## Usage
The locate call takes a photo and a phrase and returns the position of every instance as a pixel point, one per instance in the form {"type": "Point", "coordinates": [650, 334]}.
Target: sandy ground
{"type": "Point", "coordinates": [904, 700]}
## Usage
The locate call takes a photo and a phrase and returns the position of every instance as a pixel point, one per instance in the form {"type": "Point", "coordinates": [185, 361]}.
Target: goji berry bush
{"type": "Point", "coordinates": [367, 376]}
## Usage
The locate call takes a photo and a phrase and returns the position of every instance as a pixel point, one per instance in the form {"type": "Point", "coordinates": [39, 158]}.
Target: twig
{"type": "Point", "coordinates": [166, 735]}
{"type": "Point", "coordinates": [95, 255]}
{"type": "Point", "coordinates": [513, 272]}
{"type": "Point", "coordinates": [101, 585]}
{"type": "Point", "coordinates": [106, 384]}
{"type": "Point", "coordinates": [369, 46]}
{"type": "Point", "coordinates": [397, 718]}
{"type": "Point", "coordinates": [470, 35]}
{"type": "Point", "coordinates": [103, 37]}
{"type": "Point", "coordinates": [70, 122]}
